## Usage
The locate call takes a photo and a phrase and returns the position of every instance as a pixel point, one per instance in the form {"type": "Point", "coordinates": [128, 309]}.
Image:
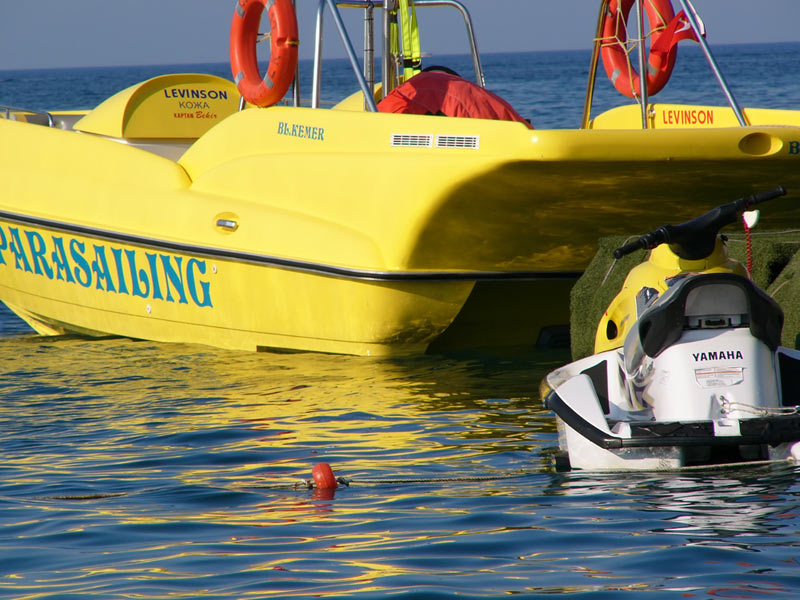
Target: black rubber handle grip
{"type": "Point", "coordinates": [764, 196]}
{"type": "Point", "coordinates": [628, 248]}
{"type": "Point", "coordinates": [645, 242]}
{"type": "Point", "coordinates": [695, 239]}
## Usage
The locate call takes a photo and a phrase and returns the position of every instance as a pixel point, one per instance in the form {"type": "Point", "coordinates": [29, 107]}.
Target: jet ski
{"type": "Point", "coordinates": [687, 370]}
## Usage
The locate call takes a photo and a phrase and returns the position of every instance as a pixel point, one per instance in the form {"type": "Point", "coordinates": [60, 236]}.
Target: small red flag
{"type": "Point", "coordinates": [676, 30]}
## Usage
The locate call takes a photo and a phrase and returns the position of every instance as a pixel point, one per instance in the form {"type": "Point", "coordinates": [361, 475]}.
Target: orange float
{"type": "Point", "coordinates": [273, 86]}
{"type": "Point", "coordinates": [323, 476]}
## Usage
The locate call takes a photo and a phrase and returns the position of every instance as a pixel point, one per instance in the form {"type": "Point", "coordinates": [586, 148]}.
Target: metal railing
{"type": "Point", "coordinates": [7, 110]}
{"type": "Point", "coordinates": [694, 22]}
{"type": "Point", "coordinates": [366, 77]}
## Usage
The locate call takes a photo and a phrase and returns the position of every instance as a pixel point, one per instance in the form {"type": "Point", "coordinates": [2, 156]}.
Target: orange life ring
{"type": "Point", "coordinates": [272, 87]}
{"type": "Point", "coordinates": [615, 57]}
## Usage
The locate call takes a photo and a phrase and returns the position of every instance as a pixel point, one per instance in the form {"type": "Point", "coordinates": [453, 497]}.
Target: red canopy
{"type": "Point", "coordinates": [438, 93]}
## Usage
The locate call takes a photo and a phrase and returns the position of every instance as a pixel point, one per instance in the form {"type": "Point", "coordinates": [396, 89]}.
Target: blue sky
{"type": "Point", "coordinates": [72, 33]}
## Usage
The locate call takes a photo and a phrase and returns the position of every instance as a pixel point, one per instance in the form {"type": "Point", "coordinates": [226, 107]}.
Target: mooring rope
{"type": "Point", "coordinates": [727, 407]}
{"type": "Point", "coordinates": [348, 481]}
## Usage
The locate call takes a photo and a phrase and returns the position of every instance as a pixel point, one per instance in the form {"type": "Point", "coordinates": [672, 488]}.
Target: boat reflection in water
{"type": "Point", "coordinates": [142, 468]}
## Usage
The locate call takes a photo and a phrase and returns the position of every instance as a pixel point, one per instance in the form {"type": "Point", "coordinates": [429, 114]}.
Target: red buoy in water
{"type": "Point", "coordinates": [324, 478]}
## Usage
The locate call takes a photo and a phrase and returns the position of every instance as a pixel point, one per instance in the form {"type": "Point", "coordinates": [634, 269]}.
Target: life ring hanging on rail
{"type": "Point", "coordinates": [615, 56]}
{"type": "Point", "coordinates": [273, 86]}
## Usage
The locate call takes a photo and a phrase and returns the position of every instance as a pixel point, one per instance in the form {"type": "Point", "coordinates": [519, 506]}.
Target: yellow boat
{"type": "Point", "coordinates": [175, 211]}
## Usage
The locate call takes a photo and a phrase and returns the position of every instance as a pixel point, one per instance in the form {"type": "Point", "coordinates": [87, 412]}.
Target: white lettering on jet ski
{"type": "Point", "coordinates": [721, 355]}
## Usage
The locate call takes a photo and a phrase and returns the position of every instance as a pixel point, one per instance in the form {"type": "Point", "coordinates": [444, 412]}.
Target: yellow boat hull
{"type": "Point", "coordinates": [100, 286]}
{"type": "Point", "coordinates": [339, 230]}
{"type": "Point", "coordinates": [60, 280]}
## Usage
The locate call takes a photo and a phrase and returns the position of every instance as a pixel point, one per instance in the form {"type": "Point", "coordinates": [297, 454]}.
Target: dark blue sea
{"type": "Point", "coordinates": [131, 469]}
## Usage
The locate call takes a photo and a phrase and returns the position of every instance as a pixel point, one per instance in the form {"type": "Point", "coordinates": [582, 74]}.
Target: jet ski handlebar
{"type": "Point", "coordinates": [695, 239]}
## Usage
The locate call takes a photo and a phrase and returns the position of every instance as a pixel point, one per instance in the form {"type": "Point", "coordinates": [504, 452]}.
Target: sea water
{"type": "Point", "coordinates": [548, 88]}
{"type": "Point", "coordinates": [131, 469]}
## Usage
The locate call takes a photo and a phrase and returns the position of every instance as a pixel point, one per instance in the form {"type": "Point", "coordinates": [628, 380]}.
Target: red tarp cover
{"type": "Point", "coordinates": [437, 93]}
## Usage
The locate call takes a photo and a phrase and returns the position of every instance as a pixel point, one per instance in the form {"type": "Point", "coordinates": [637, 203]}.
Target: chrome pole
{"type": "Point", "coordinates": [369, 98]}
{"type": "Point", "coordinates": [587, 103]}
{"type": "Point", "coordinates": [473, 44]}
{"type": "Point", "coordinates": [642, 62]}
{"type": "Point", "coordinates": [316, 80]}
{"type": "Point", "coordinates": [296, 82]}
{"type": "Point", "coordinates": [369, 48]}
{"type": "Point", "coordinates": [387, 74]}
{"type": "Point", "coordinates": [688, 10]}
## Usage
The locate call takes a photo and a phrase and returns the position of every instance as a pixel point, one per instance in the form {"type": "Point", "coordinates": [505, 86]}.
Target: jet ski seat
{"type": "Point", "coordinates": [708, 301]}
